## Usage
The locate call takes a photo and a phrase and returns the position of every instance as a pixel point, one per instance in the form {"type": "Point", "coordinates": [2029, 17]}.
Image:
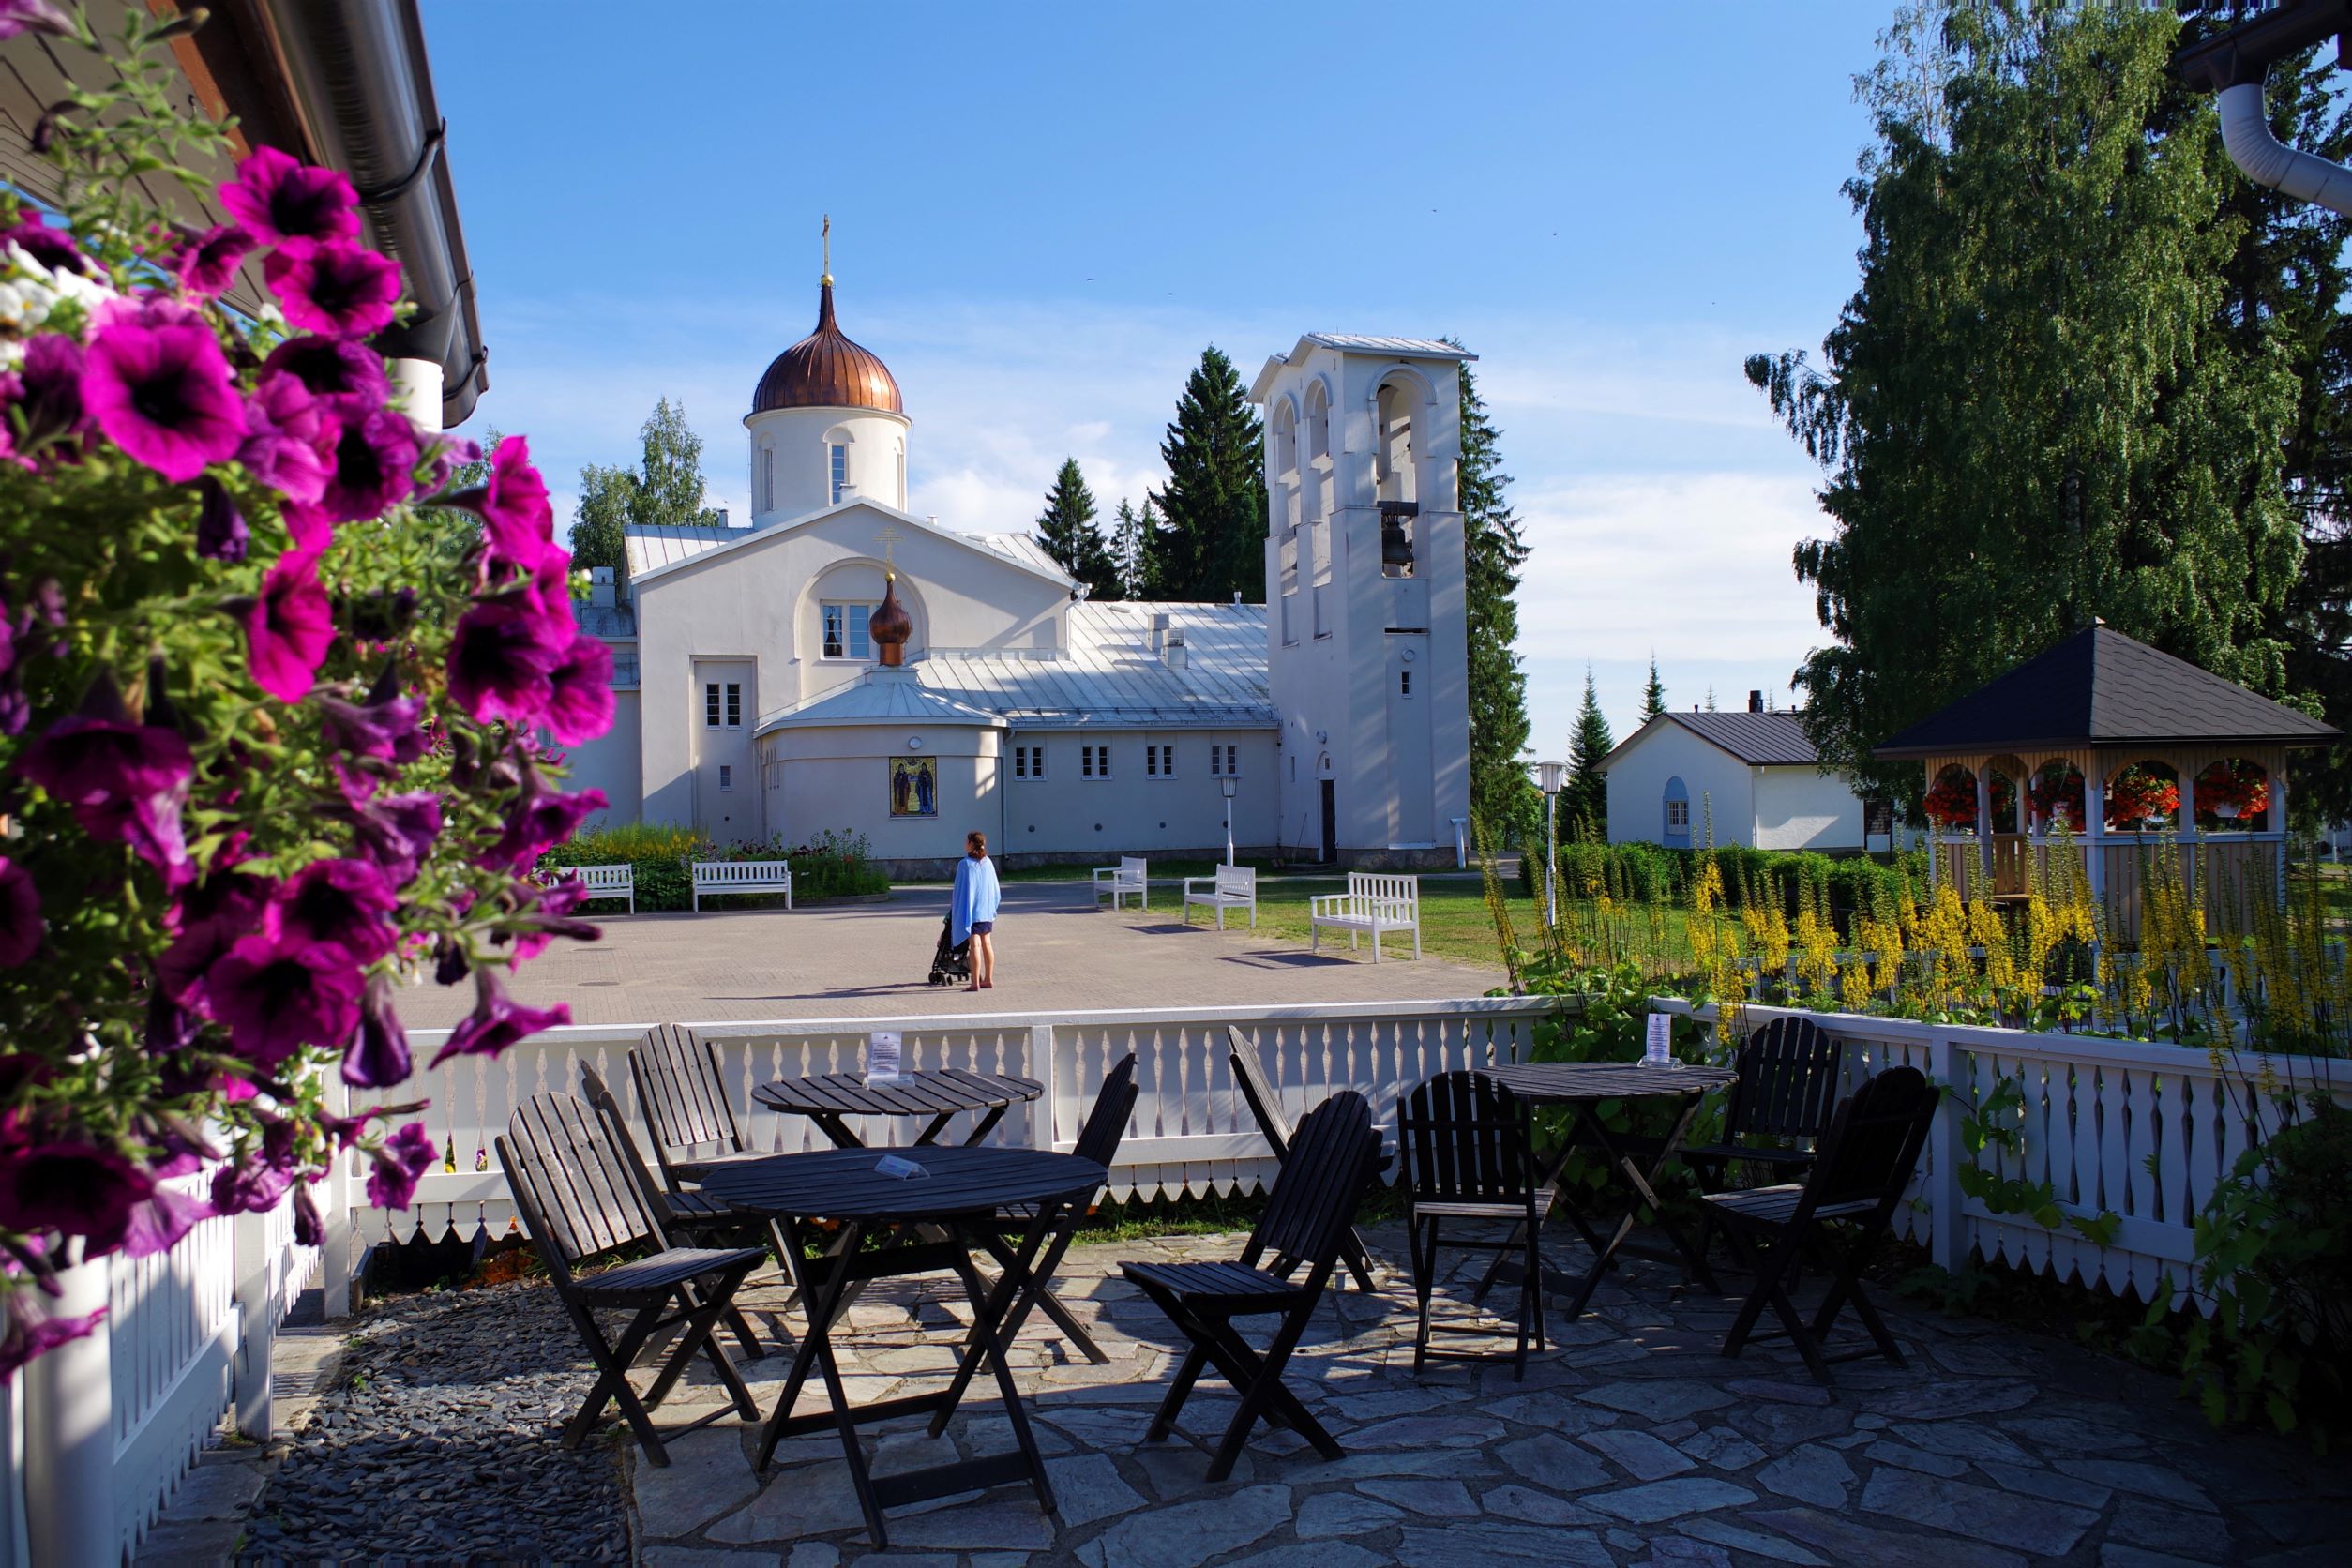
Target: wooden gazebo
{"type": "Point", "coordinates": [2114, 740]}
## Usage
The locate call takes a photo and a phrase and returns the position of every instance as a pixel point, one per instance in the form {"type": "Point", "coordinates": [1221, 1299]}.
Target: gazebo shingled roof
{"type": "Point", "coordinates": [2100, 689]}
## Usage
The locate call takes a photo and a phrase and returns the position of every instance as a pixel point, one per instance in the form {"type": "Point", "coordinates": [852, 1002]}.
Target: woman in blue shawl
{"type": "Point", "coordinates": [972, 909]}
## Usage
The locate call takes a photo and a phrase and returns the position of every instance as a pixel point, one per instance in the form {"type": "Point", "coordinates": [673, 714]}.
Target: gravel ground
{"type": "Point", "coordinates": [440, 1445]}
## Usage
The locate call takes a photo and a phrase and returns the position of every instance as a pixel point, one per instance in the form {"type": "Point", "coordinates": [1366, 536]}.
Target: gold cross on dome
{"type": "Point", "coordinates": [888, 538]}
{"type": "Point", "coordinates": [828, 243]}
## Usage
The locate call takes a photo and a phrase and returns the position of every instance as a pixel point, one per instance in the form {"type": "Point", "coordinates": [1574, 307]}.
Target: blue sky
{"type": "Point", "coordinates": [1043, 212]}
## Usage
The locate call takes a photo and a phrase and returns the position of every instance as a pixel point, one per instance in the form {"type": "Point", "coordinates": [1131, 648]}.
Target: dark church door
{"type": "Point", "coordinates": [1331, 820]}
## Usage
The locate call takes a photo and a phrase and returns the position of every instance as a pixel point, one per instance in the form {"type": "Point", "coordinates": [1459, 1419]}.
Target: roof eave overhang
{"type": "Point", "coordinates": [2135, 743]}
{"type": "Point", "coordinates": [774, 530]}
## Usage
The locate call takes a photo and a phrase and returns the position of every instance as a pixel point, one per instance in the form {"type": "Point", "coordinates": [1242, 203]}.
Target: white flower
{"type": "Point", "coordinates": [23, 305]}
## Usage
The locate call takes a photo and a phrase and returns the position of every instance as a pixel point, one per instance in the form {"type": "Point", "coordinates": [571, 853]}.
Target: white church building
{"type": "Point", "coordinates": [842, 663]}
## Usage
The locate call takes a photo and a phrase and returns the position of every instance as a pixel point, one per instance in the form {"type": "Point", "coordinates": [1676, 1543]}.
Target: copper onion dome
{"type": "Point", "coordinates": [825, 369]}
{"type": "Point", "coordinates": [890, 625]}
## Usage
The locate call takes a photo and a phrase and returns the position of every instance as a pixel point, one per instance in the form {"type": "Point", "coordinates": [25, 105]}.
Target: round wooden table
{"type": "Point", "coordinates": [942, 1094]}
{"type": "Point", "coordinates": [958, 1197]}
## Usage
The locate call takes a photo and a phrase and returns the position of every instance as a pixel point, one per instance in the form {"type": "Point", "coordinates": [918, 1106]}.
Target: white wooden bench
{"type": "Point", "coordinates": [603, 882]}
{"type": "Point", "coordinates": [1131, 875]}
{"type": "Point", "coordinates": [716, 877]}
{"type": "Point", "coordinates": [1233, 887]}
{"type": "Point", "coordinates": [1372, 904]}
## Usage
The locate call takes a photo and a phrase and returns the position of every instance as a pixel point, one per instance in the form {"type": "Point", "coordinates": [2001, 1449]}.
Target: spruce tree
{"type": "Point", "coordinates": [1502, 797]}
{"type": "Point", "coordinates": [1213, 545]}
{"type": "Point", "coordinates": [1585, 802]}
{"type": "Point", "coordinates": [1129, 531]}
{"type": "Point", "coordinates": [1067, 529]}
{"type": "Point", "coordinates": [1652, 695]}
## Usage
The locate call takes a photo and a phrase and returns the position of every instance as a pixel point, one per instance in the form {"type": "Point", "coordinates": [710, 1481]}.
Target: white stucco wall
{"type": "Point", "coordinates": [1129, 813]}
{"type": "Point", "coordinates": [837, 777]}
{"type": "Point", "coordinates": [610, 764]}
{"type": "Point", "coordinates": [1801, 808]}
{"type": "Point", "coordinates": [876, 468]}
{"type": "Point", "coordinates": [1722, 787]}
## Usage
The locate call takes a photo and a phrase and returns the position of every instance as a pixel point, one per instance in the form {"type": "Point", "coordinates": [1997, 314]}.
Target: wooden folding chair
{"type": "Point", "coordinates": [1786, 1091]}
{"type": "Point", "coordinates": [686, 1213]}
{"type": "Point", "coordinates": [1331, 1160]}
{"type": "Point", "coordinates": [579, 1201]}
{"type": "Point", "coordinates": [1469, 1156]}
{"type": "Point", "coordinates": [1265, 1107]}
{"type": "Point", "coordinates": [1098, 1140]}
{"type": "Point", "coordinates": [1865, 1161]}
{"type": "Point", "coordinates": [684, 1096]}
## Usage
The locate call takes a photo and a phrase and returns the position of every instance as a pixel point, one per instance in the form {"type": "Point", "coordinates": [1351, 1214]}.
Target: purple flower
{"type": "Point", "coordinates": [497, 1021]}
{"type": "Point", "coordinates": [276, 997]}
{"type": "Point", "coordinates": [47, 390]}
{"type": "Point", "coordinates": [77, 1188]}
{"type": "Point", "coordinates": [332, 368]}
{"type": "Point", "coordinates": [398, 833]}
{"type": "Point", "coordinates": [220, 531]}
{"type": "Point", "coordinates": [148, 312]}
{"type": "Point", "coordinates": [372, 465]}
{"type": "Point", "coordinates": [208, 263]}
{"type": "Point", "coordinates": [163, 396]}
{"type": "Point", "coordinates": [256, 1182]}
{"type": "Point", "coordinates": [126, 781]}
{"type": "Point", "coordinates": [207, 920]}
{"type": "Point", "coordinates": [333, 286]}
{"type": "Point", "coordinates": [406, 1155]}
{"type": "Point", "coordinates": [283, 437]}
{"type": "Point", "coordinates": [53, 247]}
{"type": "Point", "coordinates": [549, 916]}
{"type": "Point", "coordinates": [22, 924]}
{"type": "Point", "coordinates": [387, 725]}
{"type": "Point", "coordinates": [502, 659]}
{"type": "Point", "coordinates": [542, 819]}
{"type": "Point", "coordinates": [31, 1334]}
{"type": "Point", "coordinates": [378, 1056]}
{"type": "Point", "coordinates": [346, 902]}
{"type": "Point", "coordinates": [309, 1230]}
{"type": "Point", "coordinates": [158, 1225]}
{"type": "Point", "coordinates": [580, 705]}
{"type": "Point", "coordinates": [279, 199]}
{"type": "Point", "coordinates": [37, 16]}
{"type": "Point", "coordinates": [517, 520]}
{"type": "Point", "coordinates": [290, 628]}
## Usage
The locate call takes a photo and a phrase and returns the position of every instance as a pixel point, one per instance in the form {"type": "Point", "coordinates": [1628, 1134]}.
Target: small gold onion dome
{"type": "Point", "coordinates": [890, 625]}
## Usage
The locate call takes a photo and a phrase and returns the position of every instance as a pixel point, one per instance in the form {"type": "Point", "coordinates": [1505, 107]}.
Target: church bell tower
{"type": "Point", "coordinates": [1365, 621]}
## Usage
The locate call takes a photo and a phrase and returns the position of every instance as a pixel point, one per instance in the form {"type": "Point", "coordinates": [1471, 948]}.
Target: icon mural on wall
{"type": "Point", "coordinates": [914, 786]}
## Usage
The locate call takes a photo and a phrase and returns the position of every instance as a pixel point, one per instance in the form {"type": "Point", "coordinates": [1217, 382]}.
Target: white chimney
{"type": "Point", "coordinates": [1174, 652]}
{"type": "Point", "coordinates": [1159, 633]}
{"type": "Point", "coordinates": [600, 586]}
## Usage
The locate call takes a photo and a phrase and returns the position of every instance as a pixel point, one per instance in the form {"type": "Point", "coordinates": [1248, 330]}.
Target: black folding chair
{"type": "Point", "coordinates": [1866, 1159]}
{"type": "Point", "coordinates": [686, 1213]}
{"type": "Point", "coordinates": [1265, 1107]}
{"type": "Point", "coordinates": [1786, 1090]}
{"type": "Point", "coordinates": [579, 1201]}
{"type": "Point", "coordinates": [1333, 1159]}
{"type": "Point", "coordinates": [684, 1096]}
{"type": "Point", "coordinates": [1468, 1156]}
{"type": "Point", "coordinates": [1098, 1140]}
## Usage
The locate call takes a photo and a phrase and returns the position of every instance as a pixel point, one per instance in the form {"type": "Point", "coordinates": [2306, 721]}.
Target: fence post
{"type": "Point", "coordinates": [1041, 1114]}
{"type": "Point", "coordinates": [1947, 1224]}
{"type": "Point", "coordinates": [69, 1434]}
{"type": "Point", "coordinates": [338, 1243]}
{"type": "Point", "coordinates": [257, 1262]}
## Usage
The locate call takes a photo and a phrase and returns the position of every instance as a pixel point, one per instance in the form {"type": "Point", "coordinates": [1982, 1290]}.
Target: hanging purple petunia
{"type": "Point", "coordinates": [220, 531]}
{"type": "Point", "coordinates": [70, 1186]}
{"type": "Point", "coordinates": [541, 819]}
{"type": "Point", "coordinates": [373, 462]}
{"type": "Point", "coordinates": [580, 707]}
{"type": "Point", "coordinates": [333, 286]}
{"type": "Point", "coordinates": [347, 902]}
{"type": "Point", "coordinates": [126, 781]}
{"type": "Point", "coordinates": [53, 248]}
{"type": "Point", "coordinates": [497, 1021]}
{"type": "Point", "coordinates": [398, 833]}
{"type": "Point", "coordinates": [406, 1155]}
{"type": "Point", "coordinates": [208, 263]}
{"type": "Point", "coordinates": [163, 395]}
{"type": "Point", "coordinates": [331, 368]}
{"type": "Point", "coordinates": [37, 16]}
{"type": "Point", "coordinates": [285, 435]}
{"type": "Point", "coordinates": [387, 725]}
{"type": "Point", "coordinates": [48, 391]}
{"type": "Point", "coordinates": [550, 916]}
{"type": "Point", "coordinates": [22, 923]}
{"type": "Point", "coordinates": [378, 1055]}
{"type": "Point", "coordinates": [290, 628]}
{"type": "Point", "coordinates": [502, 659]}
{"type": "Point", "coordinates": [30, 1334]}
{"type": "Point", "coordinates": [276, 997]}
{"type": "Point", "coordinates": [158, 1223]}
{"type": "Point", "coordinates": [517, 520]}
{"type": "Point", "coordinates": [206, 921]}
{"type": "Point", "coordinates": [280, 198]}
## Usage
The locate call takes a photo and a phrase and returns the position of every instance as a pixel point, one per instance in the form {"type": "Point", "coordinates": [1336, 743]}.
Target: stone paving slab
{"type": "Point", "coordinates": [1056, 952]}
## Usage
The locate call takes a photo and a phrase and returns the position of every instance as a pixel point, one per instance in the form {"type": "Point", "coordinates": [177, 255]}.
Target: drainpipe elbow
{"type": "Point", "coordinates": [2267, 162]}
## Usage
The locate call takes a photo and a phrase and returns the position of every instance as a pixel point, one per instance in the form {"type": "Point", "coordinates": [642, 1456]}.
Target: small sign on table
{"type": "Point", "coordinates": [1658, 1053]}
{"type": "Point", "coordinates": [882, 1057]}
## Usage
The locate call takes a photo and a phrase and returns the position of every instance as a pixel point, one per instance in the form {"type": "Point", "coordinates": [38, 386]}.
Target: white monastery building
{"type": "Point", "coordinates": [1750, 778]}
{"type": "Point", "coordinates": [844, 664]}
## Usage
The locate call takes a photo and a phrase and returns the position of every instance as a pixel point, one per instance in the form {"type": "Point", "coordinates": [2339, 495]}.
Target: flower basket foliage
{"type": "Point", "coordinates": [1951, 801]}
{"type": "Point", "coordinates": [277, 675]}
{"type": "Point", "coordinates": [2233, 791]}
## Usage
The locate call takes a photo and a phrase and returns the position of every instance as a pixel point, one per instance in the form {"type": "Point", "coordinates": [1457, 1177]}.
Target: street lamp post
{"type": "Point", "coordinates": [1225, 788]}
{"type": "Point", "coordinates": [1548, 777]}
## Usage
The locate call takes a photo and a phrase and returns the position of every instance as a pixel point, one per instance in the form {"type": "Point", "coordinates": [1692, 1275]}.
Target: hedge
{"type": "Point", "coordinates": [831, 866]}
{"type": "Point", "coordinates": [1645, 873]}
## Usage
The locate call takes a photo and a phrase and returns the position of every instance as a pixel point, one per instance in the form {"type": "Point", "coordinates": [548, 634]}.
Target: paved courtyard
{"type": "Point", "coordinates": [1631, 1442]}
{"type": "Point", "coordinates": [1056, 952]}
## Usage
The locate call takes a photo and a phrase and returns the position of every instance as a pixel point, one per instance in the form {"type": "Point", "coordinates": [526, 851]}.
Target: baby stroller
{"type": "Point", "coordinates": [951, 962]}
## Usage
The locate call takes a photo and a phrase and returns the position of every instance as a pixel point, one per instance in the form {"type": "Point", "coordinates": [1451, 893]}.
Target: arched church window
{"type": "Point", "coordinates": [767, 478]}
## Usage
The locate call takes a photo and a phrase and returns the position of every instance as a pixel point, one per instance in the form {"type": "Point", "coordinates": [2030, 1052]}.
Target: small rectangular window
{"type": "Point", "coordinates": [1028, 761]}
{"type": "Point", "coordinates": [1094, 762]}
{"type": "Point", "coordinates": [1404, 683]}
{"type": "Point", "coordinates": [734, 705]}
{"type": "Point", "coordinates": [710, 704]}
{"type": "Point", "coordinates": [1677, 816]}
{"type": "Point", "coordinates": [1159, 762]}
{"type": "Point", "coordinates": [844, 631]}
{"type": "Point", "coordinates": [840, 472]}
{"type": "Point", "coordinates": [726, 776]}
{"type": "Point", "coordinates": [1224, 761]}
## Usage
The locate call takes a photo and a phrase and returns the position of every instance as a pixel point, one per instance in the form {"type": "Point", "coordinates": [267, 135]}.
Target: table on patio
{"type": "Point", "coordinates": [942, 1094]}
{"type": "Point", "coordinates": [956, 1199]}
{"type": "Point", "coordinates": [1582, 1087]}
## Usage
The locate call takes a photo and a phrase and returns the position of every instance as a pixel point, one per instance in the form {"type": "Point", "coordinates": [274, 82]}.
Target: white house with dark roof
{"type": "Point", "coordinates": [842, 663]}
{"type": "Point", "coordinates": [1749, 778]}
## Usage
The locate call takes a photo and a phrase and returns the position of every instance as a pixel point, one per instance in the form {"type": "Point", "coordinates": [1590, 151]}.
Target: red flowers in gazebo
{"type": "Point", "coordinates": [2237, 789]}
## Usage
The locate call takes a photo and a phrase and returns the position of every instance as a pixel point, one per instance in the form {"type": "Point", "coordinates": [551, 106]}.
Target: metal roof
{"type": "Point", "coordinates": [1416, 348]}
{"type": "Point", "coordinates": [614, 623]}
{"type": "Point", "coordinates": [692, 542]}
{"type": "Point", "coordinates": [666, 544]}
{"type": "Point", "coordinates": [1023, 547]}
{"type": "Point", "coordinates": [2101, 688]}
{"type": "Point", "coordinates": [882, 697]}
{"type": "Point", "coordinates": [1769, 740]}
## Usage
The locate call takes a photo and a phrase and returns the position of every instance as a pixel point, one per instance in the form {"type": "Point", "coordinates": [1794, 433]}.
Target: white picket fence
{"type": "Point", "coordinates": [102, 1429]}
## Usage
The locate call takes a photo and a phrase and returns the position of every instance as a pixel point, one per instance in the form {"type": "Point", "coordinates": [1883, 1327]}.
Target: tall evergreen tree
{"type": "Point", "coordinates": [1067, 529]}
{"type": "Point", "coordinates": [1502, 797]}
{"type": "Point", "coordinates": [1652, 695]}
{"type": "Point", "coordinates": [2031, 413]}
{"type": "Point", "coordinates": [1130, 549]}
{"type": "Point", "coordinates": [1213, 545]}
{"type": "Point", "coordinates": [1585, 802]}
{"type": "Point", "coordinates": [665, 488]}
{"type": "Point", "coordinates": [1711, 698]}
